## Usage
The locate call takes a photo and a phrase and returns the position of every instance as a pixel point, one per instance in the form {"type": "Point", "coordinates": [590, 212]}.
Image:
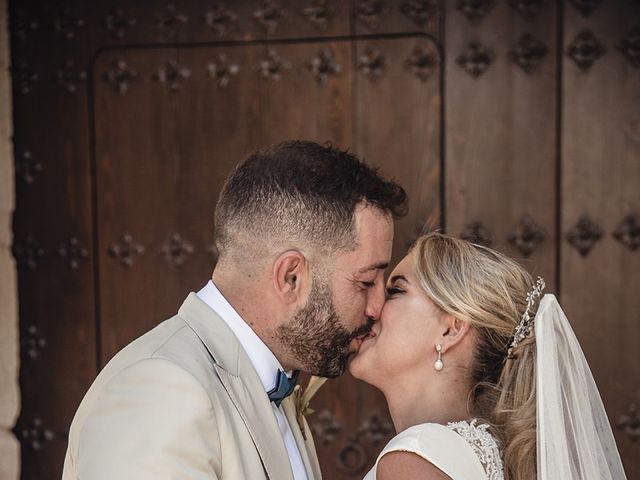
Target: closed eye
{"type": "Point", "coordinates": [391, 291]}
{"type": "Point", "coordinates": [368, 284]}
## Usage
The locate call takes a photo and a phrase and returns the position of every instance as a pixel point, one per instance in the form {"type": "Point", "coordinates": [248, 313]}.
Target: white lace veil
{"type": "Point", "coordinates": [575, 441]}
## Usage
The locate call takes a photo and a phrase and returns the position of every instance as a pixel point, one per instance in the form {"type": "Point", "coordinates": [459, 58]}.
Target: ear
{"type": "Point", "coordinates": [455, 330]}
{"type": "Point", "coordinates": [289, 275]}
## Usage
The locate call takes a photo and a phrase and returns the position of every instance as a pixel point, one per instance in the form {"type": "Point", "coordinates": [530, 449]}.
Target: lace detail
{"type": "Point", "coordinates": [484, 446]}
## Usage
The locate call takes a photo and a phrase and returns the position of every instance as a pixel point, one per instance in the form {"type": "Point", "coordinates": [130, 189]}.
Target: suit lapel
{"type": "Point", "coordinates": [242, 384]}
{"type": "Point", "coordinates": [306, 448]}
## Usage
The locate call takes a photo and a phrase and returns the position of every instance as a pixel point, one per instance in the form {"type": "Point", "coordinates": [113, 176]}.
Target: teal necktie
{"type": "Point", "coordinates": [283, 388]}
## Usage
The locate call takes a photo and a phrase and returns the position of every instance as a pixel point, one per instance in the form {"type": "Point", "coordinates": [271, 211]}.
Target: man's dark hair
{"type": "Point", "coordinates": [299, 194]}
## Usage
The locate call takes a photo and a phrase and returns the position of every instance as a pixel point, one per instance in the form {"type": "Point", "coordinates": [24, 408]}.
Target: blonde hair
{"type": "Point", "coordinates": [489, 290]}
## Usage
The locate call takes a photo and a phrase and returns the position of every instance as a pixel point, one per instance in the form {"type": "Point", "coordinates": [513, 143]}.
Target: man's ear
{"type": "Point", "coordinates": [289, 274]}
{"type": "Point", "coordinates": [454, 331]}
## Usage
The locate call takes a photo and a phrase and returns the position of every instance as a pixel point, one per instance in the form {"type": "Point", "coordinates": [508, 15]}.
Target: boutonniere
{"type": "Point", "coordinates": [303, 397]}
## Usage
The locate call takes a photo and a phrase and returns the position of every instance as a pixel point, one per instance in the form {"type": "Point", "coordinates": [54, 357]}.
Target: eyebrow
{"type": "Point", "coordinates": [375, 266]}
{"type": "Point", "coordinates": [395, 278]}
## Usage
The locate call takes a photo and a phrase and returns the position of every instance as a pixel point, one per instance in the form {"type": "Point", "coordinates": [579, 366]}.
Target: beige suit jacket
{"type": "Point", "coordinates": [182, 402]}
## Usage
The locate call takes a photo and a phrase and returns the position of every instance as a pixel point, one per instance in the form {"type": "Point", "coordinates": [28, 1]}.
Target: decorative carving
{"type": "Point", "coordinates": [273, 66]}
{"type": "Point", "coordinates": [370, 12]}
{"type": "Point", "coordinates": [126, 250]}
{"type": "Point", "coordinates": [73, 252]}
{"type": "Point", "coordinates": [323, 65]}
{"type": "Point", "coordinates": [475, 232]}
{"type": "Point", "coordinates": [69, 78]}
{"type": "Point", "coordinates": [117, 22]}
{"type": "Point", "coordinates": [371, 63]}
{"type": "Point", "coordinates": [119, 76]}
{"type": "Point", "coordinates": [630, 46]}
{"type": "Point", "coordinates": [23, 78]}
{"type": "Point", "coordinates": [319, 14]}
{"type": "Point", "coordinates": [352, 459]}
{"type": "Point", "coordinates": [32, 342]}
{"type": "Point", "coordinates": [420, 11]}
{"type": "Point", "coordinates": [170, 19]}
{"type": "Point", "coordinates": [585, 49]}
{"type": "Point", "coordinates": [67, 24]}
{"type": "Point", "coordinates": [269, 15]}
{"type": "Point", "coordinates": [586, 7]}
{"type": "Point", "coordinates": [475, 59]}
{"type": "Point", "coordinates": [172, 75]}
{"type": "Point", "coordinates": [584, 235]}
{"type": "Point", "coordinates": [176, 250]}
{"type": "Point", "coordinates": [326, 428]}
{"type": "Point", "coordinates": [629, 423]}
{"type": "Point", "coordinates": [220, 19]}
{"type": "Point", "coordinates": [526, 236]}
{"type": "Point", "coordinates": [36, 434]}
{"type": "Point", "coordinates": [28, 253]}
{"type": "Point", "coordinates": [221, 70]}
{"type": "Point", "coordinates": [422, 62]}
{"type": "Point", "coordinates": [528, 8]}
{"type": "Point", "coordinates": [27, 167]}
{"type": "Point", "coordinates": [628, 232]}
{"type": "Point", "coordinates": [375, 429]}
{"type": "Point", "coordinates": [22, 26]}
{"type": "Point", "coordinates": [475, 10]}
{"type": "Point", "coordinates": [528, 53]}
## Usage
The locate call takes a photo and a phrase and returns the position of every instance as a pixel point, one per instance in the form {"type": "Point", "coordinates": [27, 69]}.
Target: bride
{"type": "Point", "coordinates": [483, 375]}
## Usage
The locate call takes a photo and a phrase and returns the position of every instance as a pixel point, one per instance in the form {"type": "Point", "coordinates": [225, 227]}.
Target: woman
{"type": "Point", "coordinates": [479, 385]}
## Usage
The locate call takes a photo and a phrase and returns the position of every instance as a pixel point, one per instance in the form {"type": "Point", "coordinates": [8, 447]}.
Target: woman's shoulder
{"type": "Point", "coordinates": [460, 449]}
{"type": "Point", "coordinates": [484, 445]}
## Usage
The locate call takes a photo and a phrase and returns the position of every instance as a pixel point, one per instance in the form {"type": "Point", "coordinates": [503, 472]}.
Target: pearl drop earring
{"type": "Point", "coordinates": [438, 365]}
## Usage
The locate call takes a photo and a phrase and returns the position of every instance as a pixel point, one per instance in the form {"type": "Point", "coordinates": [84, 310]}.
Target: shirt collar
{"type": "Point", "coordinates": [264, 361]}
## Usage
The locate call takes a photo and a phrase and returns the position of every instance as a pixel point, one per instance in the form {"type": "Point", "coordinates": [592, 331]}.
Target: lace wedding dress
{"type": "Point", "coordinates": [462, 450]}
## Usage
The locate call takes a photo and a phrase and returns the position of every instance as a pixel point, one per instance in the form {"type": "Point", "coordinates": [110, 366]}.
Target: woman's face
{"type": "Point", "coordinates": [404, 339]}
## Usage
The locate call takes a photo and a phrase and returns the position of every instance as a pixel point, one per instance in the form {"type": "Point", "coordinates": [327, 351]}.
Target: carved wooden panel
{"type": "Point", "coordinates": [404, 102]}
{"type": "Point", "coordinates": [600, 178]}
{"type": "Point", "coordinates": [53, 241]}
{"type": "Point", "coordinates": [172, 145]}
{"type": "Point", "coordinates": [500, 134]}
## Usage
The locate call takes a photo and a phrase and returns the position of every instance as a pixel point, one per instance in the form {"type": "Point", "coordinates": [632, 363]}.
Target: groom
{"type": "Point", "coordinates": [304, 233]}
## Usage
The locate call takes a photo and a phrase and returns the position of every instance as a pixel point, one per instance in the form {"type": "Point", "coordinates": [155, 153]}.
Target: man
{"type": "Point", "coordinates": [304, 233]}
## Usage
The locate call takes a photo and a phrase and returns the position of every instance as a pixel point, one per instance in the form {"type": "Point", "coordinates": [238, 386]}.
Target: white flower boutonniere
{"type": "Point", "coordinates": [303, 397]}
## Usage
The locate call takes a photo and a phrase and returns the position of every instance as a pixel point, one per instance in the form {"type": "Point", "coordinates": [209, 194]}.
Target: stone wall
{"type": "Point", "coordinates": [9, 351]}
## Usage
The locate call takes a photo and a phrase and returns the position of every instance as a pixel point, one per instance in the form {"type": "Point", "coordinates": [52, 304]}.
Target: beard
{"type": "Point", "coordinates": [315, 336]}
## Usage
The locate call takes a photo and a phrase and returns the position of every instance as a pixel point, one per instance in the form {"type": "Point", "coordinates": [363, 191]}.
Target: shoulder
{"type": "Point", "coordinates": [433, 451]}
{"type": "Point", "coordinates": [403, 464]}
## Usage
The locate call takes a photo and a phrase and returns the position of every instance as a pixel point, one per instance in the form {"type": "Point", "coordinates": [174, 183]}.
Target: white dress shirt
{"type": "Point", "coordinates": [263, 360]}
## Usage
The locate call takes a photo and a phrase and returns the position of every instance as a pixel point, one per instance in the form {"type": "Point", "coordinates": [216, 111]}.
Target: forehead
{"type": "Point", "coordinates": [374, 229]}
{"type": "Point", "coordinates": [405, 269]}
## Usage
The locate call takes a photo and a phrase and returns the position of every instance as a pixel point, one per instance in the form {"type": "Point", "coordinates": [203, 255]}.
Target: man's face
{"type": "Point", "coordinates": [343, 305]}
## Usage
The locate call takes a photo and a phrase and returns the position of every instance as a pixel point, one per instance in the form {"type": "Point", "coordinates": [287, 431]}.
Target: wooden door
{"type": "Point", "coordinates": [512, 123]}
{"type": "Point", "coordinates": [165, 144]}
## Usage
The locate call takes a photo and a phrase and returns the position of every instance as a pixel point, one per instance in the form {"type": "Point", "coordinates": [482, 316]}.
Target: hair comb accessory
{"type": "Point", "coordinates": [525, 327]}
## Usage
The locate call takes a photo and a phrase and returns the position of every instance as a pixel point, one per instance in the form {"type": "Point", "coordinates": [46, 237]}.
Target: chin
{"type": "Point", "coordinates": [357, 368]}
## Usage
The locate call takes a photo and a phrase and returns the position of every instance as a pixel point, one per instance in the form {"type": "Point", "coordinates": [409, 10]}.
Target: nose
{"type": "Point", "coordinates": [375, 301]}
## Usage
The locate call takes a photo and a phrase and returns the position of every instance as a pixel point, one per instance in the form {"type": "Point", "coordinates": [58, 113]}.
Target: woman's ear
{"type": "Point", "coordinates": [289, 275]}
{"type": "Point", "coordinates": [455, 330]}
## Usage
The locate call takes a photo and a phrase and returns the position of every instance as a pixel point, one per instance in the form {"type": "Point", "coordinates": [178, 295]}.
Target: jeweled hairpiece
{"type": "Point", "coordinates": [525, 327]}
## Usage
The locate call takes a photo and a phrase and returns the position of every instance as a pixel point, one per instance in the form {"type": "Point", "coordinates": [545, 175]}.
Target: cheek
{"type": "Point", "coordinates": [405, 336]}
{"type": "Point", "coordinates": [350, 309]}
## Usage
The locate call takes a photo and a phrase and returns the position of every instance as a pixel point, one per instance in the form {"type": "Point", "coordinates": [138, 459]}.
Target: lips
{"type": "Point", "coordinates": [363, 338]}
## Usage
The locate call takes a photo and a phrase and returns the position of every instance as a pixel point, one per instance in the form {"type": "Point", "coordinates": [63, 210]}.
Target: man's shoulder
{"type": "Point", "coordinates": [171, 344]}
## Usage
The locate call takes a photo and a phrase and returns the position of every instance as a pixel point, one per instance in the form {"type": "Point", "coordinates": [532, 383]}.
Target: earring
{"type": "Point", "coordinates": [438, 365]}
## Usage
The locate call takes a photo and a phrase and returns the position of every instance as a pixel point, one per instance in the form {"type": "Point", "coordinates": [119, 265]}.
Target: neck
{"type": "Point", "coordinates": [254, 309]}
{"type": "Point", "coordinates": [415, 402]}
